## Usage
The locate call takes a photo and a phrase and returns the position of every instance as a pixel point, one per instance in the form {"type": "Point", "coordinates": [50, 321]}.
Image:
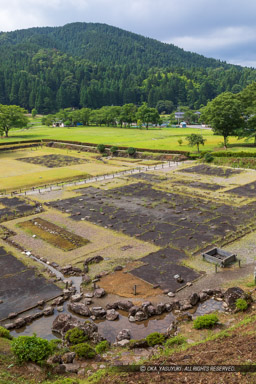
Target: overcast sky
{"type": "Point", "coordinates": [223, 29]}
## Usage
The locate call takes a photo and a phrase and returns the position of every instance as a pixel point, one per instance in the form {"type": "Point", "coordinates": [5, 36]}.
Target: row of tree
{"type": "Point", "coordinates": [109, 115]}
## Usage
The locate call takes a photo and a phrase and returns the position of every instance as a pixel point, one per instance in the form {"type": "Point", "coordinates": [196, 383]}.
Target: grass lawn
{"type": "Point", "coordinates": [154, 138]}
{"type": "Point", "coordinates": [20, 174]}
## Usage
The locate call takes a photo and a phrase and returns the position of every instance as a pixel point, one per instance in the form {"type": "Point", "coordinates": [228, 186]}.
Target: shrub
{"type": "Point", "coordinates": [241, 304]}
{"type": "Point", "coordinates": [155, 338]}
{"type": "Point", "coordinates": [55, 344]}
{"type": "Point", "coordinates": [31, 348]}
{"type": "Point", "coordinates": [5, 333]}
{"type": "Point", "coordinates": [208, 157]}
{"type": "Point", "coordinates": [102, 346]}
{"type": "Point", "coordinates": [205, 321]}
{"type": "Point", "coordinates": [114, 150]}
{"type": "Point", "coordinates": [176, 340]}
{"type": "Point", "coordinates": [101, 148]}
{"type": "Point", "coordinates": [75, 336]}
{"type": "Point", "coordinates": [131, 151]}
{"type": "Point", "coordinates": [84, 350]}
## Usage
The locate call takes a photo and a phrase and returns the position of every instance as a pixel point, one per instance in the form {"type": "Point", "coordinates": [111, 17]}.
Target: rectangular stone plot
{"type": "Point", "coordinates": [197, 184]}
{"type": "Point", "coordinates": [162, 267]}
{"type": "Point", "coordinates": [53, 161]}
{"type": "Point", "coordinates": [20, 288]}
{"type": "Point", "coordinates": [54, 235]}
{"type": "Point", "coordinates": [210, 170]}
{"type": "Point", "coordinates": [248, 190]}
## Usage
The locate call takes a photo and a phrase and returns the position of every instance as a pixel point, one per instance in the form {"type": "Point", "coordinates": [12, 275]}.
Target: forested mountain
{"type": "Point", "coordinates": [91, 65]}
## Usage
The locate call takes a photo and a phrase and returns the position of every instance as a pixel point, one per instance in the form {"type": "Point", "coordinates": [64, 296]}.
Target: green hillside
{"type": "Point", "coordinates": [86, 64]}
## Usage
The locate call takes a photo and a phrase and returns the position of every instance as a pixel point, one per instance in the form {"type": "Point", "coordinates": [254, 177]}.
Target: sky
{"type": "Point", "coordinates": [223, 29]}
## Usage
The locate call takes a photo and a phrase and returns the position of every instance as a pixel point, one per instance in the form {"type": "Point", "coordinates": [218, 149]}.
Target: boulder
{"type": "Point", "coordinates": [172, 328]}
{"type": "Point", "coordinates": [170, 294]}
{"type": "Point", "coordinates": [55, 359]}
{"type": "Point", "coordinates": [112, 315]}
{"type": "Point", "coordinates": [19, 323]}
{"type": "Point", "coordinates": [151, 310]}
{"type": "Point", "coordinates": [232, 294]}
{"type": "Point", "coordinates": [93, 260]}
{"type": "Point", "coordinates": [9, 326]}
{"type": "Point", "coordinates": [72, 368]}
{"type": "Point", "coordinates": [98, 312]}
{"type": "Point", "coordinates": [96, 338]}
{"type": "Point", "coordinates": [133, 310]}
{"type": "Point", "coordinates": [60, 300]}
{"type": "Point", "coordinates": [48, 311]}
{"type": "Point", "coordinates": [76, 298]}
{"type": "Point", "coordinates": [125, 334]}
{"type": "Point", "coordinates": [68, 357]}
{"type": "Point", "coordinates": [118, 268]}
{"type": "Point", "coordinates": [168, 307]}
{"type": "Point", "coordinates": [160, 308]}
{"type": "Point", "coordinates": [203, 296]}
{"type": "Point", "coordinates": [184, 317]}
{"type": "Point", "coordinates": [124, 305]}
{"type": "Point", "coordinates": [99, 292]}
{"type": "Point", "coordinates": [194, 299]}
{"type": "Point", "coordinates": [12, 315]}
{"type": "Point", "coordinates": [79, 308]}
{"type": "Point", "coordinates": [122, 343]}
{"type": "Point", "coordinates": [185, 305]}
{"type": "Point", "coordinates": [140, 316]}
{"type": "Point", "coordinates": [63, 322]}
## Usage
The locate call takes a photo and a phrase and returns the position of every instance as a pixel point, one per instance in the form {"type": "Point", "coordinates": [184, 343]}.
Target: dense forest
{"type": "Point", "coordinates": [92, 65]}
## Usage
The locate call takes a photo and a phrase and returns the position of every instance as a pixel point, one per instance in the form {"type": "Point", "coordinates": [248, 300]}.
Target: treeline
{"type": "Point", "coordinates": [108, 115]}
{"type": "Point", "coordinates": [93, 65]}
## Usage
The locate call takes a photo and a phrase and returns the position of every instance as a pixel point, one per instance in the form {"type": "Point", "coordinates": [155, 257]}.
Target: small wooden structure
{"type": "Point", "coordinates": [220, 257]}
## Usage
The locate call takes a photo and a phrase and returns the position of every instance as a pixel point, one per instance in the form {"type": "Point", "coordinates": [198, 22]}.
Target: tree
{"type": "Point", "coordinates": [224, 114]}
{"type": "Point", "coordinates": [147, 115]}
{"type": "Point", "coordinates": [195, 139]}
{"type": "Point", "coordinates": [12, 116]}
{"type": "Point", "coordinates": [34, 112]}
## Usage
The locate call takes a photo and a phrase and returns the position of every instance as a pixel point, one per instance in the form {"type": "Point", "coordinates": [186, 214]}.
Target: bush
{"type": "Point", "coordinates": [102, 346]}
{"type": "Point", "coordinates": [84, 350]}
{"type": "Point", "coordinates": [101, 148]}
{"type": "Point", "coordinates": [176, 340]}
{"type": "Point", "coordinates": [205, 321]}
{"type": "Point", "coordinates": [155, 338]}
{"type": "Point", "coordinates": [75, 336]}
{"type": "Point", "coordinates": [55, 344]}
{"type": "Point", "coordinates": [131, 151]}
{"type": "Point", "coordinates": [31, 348]}
{"type": "Point", "coordinates": [114, 150]}
{"type": "Point", "coordinates": [5, 333]}
{"type": "Point", "coordinates": [241, 304]}
{"type": "Point", "coordinates": [208, 157]}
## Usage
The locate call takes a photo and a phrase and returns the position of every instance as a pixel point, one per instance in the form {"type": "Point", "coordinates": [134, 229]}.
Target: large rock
{"type": "Point", "coordinates": [160, 308]}
{"type": "Point", "coordinates": [124, 305]}
{"type": "Point", "coordinates": [172, 329]}
{"type": "Point", "coordinates": [76, 298]}
{"type": "Point", "coordinates": [19, 323]}
{"type": "Point", "coordinates": [93, 260]}
{"type": "Point", "coordinates": [99, 292]}
{"type": "Point", "coordinates": [98, 312]}
{"type": "Point", "coordinates": [86, 279]}
{"type": "Point", "coordinates": [140, 316]}
{"type": "Point", "coordinates": [63, 322]}
{"type": "Point", "coordinates": [112, 315]}
{"type": "Point", "coordinates": [133, 310]}
{"type": "Point", "coordinates": [68, 357]}
{"type": "Point", "coordinates": [194, 299]}
{"type": "Point", "coordinates": [48, 311]}
{"type": "Point", "coordinates": [125, 334]}
{"type": "Point", "coordinates": [79, 308]}
{"type": "Point", "coordinates": [232, 294]}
